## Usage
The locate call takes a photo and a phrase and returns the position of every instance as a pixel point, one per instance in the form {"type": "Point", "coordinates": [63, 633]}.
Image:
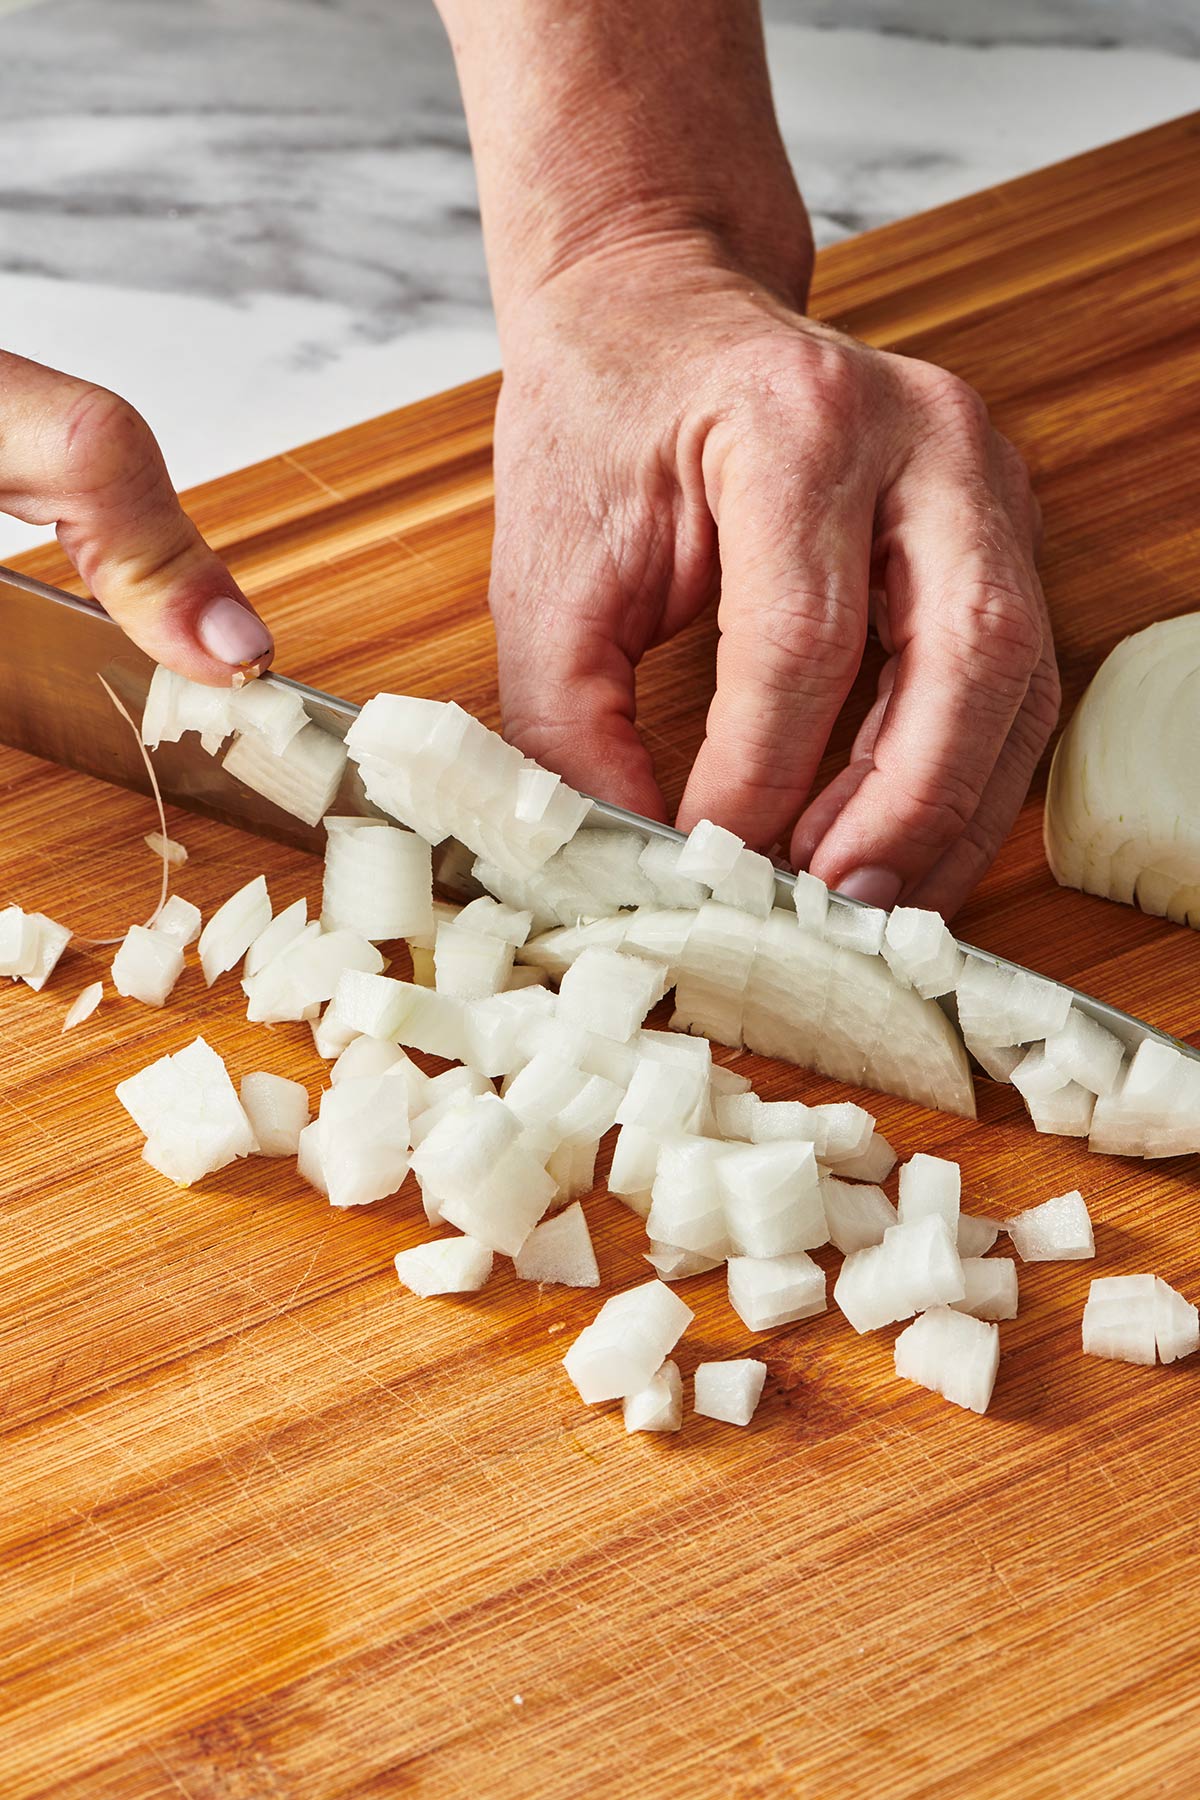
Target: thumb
{"type": "Point", "coordinates": [83, 460]}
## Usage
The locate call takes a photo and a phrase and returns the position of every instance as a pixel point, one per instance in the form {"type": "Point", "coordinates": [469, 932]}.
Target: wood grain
{"type": "Point", "coordinates": [271, 1528]}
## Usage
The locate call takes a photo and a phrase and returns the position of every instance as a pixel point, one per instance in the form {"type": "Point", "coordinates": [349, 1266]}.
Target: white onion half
{"type": "Point", "coordinates": [1122, 814]}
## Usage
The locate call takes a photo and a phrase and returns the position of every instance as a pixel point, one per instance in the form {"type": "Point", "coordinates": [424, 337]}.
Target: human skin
{"type": "Point", "coordinates": [80, 459]}
{"type": "Point", "coordinates": [673, 430]}
{"type": "Point", "coordinates": [673, 427]}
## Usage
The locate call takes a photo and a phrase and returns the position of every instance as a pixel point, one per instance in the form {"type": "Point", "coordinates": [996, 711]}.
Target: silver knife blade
{"type": "Point", "coordinates": [53, 706]}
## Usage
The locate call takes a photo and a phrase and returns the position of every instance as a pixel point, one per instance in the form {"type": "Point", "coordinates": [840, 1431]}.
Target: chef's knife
{"type": "Point", "coordinates": [54, 646]}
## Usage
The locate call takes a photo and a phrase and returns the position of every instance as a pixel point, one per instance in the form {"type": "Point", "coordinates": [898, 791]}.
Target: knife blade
{"type": "Point", "coordinates": [53, 706]}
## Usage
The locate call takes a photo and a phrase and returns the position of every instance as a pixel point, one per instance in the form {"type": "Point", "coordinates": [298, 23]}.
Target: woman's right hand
{"type": "Point", "coordinates": [82, 460]}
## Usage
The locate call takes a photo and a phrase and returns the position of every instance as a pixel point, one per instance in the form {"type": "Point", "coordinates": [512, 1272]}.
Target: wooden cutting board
{"type": "Point", "coordinates": [271, 1527]}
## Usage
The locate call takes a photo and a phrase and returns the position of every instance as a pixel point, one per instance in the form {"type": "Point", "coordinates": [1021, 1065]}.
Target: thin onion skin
{"type": "Point", "coordinates": [1122, 814]}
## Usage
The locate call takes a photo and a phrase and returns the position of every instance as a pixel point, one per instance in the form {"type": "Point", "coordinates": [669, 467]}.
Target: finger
{"type": "Point", "coordinates": [568, 642]}
{"type": "Point", "coordinates": [81, 459]}
{"type": "Point", "coordinates": [824, 808]}
{"type": "Point", "coordinates": [795, 545]}
{"type": "Point", "coordinates": [951, 879]}
{"type": "Point", "coordinates": [969, 625]}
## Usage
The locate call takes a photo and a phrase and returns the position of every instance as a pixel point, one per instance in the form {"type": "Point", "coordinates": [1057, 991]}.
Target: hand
{"type": "Point", "coordinates": [668, 425]}
{"type": "Point", "coordinates": [82, 460]}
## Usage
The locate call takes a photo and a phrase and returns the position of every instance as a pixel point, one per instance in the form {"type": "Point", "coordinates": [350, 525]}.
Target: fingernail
{"type": "Point", "coordinates": [233, 634]}
{"type": "Point", "coordinates": [878, 887]}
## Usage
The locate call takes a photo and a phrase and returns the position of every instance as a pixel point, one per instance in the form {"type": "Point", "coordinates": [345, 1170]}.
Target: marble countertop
{"type": "Point", "coordinates": [257, 218]}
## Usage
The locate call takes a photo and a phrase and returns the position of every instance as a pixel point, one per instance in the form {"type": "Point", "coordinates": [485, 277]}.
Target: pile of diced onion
{"type": "Point", "coordinates": [503, 1141]}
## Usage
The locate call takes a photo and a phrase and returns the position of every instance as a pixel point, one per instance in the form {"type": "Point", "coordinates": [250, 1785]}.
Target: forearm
{"type": "Point", "coordinates": [601, 126]}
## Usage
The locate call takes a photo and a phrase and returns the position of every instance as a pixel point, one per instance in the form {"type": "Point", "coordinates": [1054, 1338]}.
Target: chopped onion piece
{"type": "Point", "coordinates": [610, 993]}
{"type": "Point", "coordinates": [659, 863]}
{"type": "Point", "coordinates": [996, 1060]}
{"type": "Point", "coordinates": [168, 849]}
{"type": "Point", "coordinates": [659, 1405]}
{"type": "Point", "coordinates": [710, 853]}
{"type": "Point", "coordinates": [919, 949]}
{"type": "Point", "coordinates": [687, 1207]}
{"type": "Point", "coordinates": [874, 1164]}
{"type": "Point", "coordinates": [858, 928]}
{"type": "Point", "coordinates": [453, 1265]}
{"type": "Point", "coordinates": [916, 1266]}
{"type": "Point", "coordinates": [20, 935]}
{"type": "Point", "coordinates": [283, 930]}
{"type": "Point", "coordinates": [749, 885]}
{"type": "Point", "coordinates": [772, 1199]}
{"type": "Point", "coordinates": [147, 966]}
{"type": "Point", "coordinates": [1085, 1053]}
{"type": "Point", "coordinates": [276, 713]}
{"type": "Point", "coordinates": [1059, 1230]}
{"type": "Point", "coordinates": [810, 897]}
{"type": "Point", "coordinates": [277, 1110]}
{"type": "Point", "coordinates": [178, 920]}
{"type": "Point", "coordinates": [1176, 1323]}
{"type": "Point", "coordinates": [186, 1106]}
{"type": "Point", "coordinates": [175, 705]}
{"type": "Point", "coordinates": [975, 1236]}
{"type": "Point", "coordinates": [369, 1056]}
{"type": "Point", "coordinates": [234, 927]}
{"type": "Point", "coordinates": [378, 880]}
{"type": "Point", "coordinates": [1121, 1317]}
{"type": "Point", "coordinates": [559, 1250]}
{"type": "Point", "coordinates": [952, 1354]}
{"type": "Point", "coordinates": [626, 1344]}
{"type": "Point", "coordinates": [991, 1285]}
{"type": "Point", "coordinates": [307, 973]}
{"type": "Point", "coordinates": [856, 1216]}
{"type": "Point", "coordinates": [779, 1290]}
{"type": "Point", "coordinates": [930, 1184]}
{"type": "Point", "coordinates": [84, 1005]}
{"type": "Point", "coordinates": [493, 919]}
{"type": "Point", "coordinates": [471, 965]}
{"type": "Point", "coordinates": [487, 1181]}
{"type": "Point", "coordinates": [303, 781]}
{"type": "Point", "coordinates": [357, 1148]}
{"type": "Point", "coordinates": [52, 940]}
{"type": "Point", "coordinates": [672, 1264]}
{"type": "Point", "coordinates": [729, 1391]}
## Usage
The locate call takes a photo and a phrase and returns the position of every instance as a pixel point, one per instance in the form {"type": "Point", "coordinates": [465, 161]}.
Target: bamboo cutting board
{"type": "Point", "coordinates": [270, 1527]}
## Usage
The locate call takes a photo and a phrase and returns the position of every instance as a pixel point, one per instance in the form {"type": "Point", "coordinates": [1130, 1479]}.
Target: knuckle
{"type": "Point", "coordinates": [931, 808]}
{"type": "Point", "coordinates": [806, 643]}
{"type": "Point", "coordinates": [1000, 634]}
{"type": "Point", "coordinates": [105, 444]}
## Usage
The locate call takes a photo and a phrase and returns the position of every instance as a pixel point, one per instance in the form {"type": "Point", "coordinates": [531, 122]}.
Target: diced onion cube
{"type": "Point", "coordinates": [1084, 1052]}
{"type": "Point", "coordinates": [303, 781]}
{"type": "Point", "coordinates": [452, 1265]}
{"type": "Point", "coordinates": [559, 1250]}
{"type": "Point", "coordinates": [709, 854]}
{"type": "Point", "coordinates": [1059, 1230]}
{"type": "Point", "coordinates": [178, 920]}
{"type": "Point", "coordinates": [767, 1292]}
{"type": "Point", "coordinates": [856, 1216]}
{"type": "Point", "coordinates": [952, 1354]}
{"type": "Point", "coordinates": [810, 897]}
{"type": "Point", "coordinates": [277, 1110]}
{"type": "Point", "coordinates": [470, 965]}
{"type": "Point", "coordinates": [930, 1184]}
{"type": "Point", "coordinates": [991, 1285]}
{"type": "Point", "coordinates": [19, 934]}
{"type": "Point", "coordinates": [729, 1391]}
{"type": "Point", "coordinates": [611, 993]}
{"type": "Point", "coordinates": [626, 1344]}
{"type": "Point", "coordinates": [147, 966]}
{"type": "Point", "coordinates": [659, 1405]}
{"type": "Point", "coordinates": [52, 940]}
{"type": "Point", "coordinates": [378, 880]}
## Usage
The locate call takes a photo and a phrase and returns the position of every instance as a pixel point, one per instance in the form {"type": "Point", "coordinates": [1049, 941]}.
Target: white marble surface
{"type": "Point", "coordinates": [257, 218]}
